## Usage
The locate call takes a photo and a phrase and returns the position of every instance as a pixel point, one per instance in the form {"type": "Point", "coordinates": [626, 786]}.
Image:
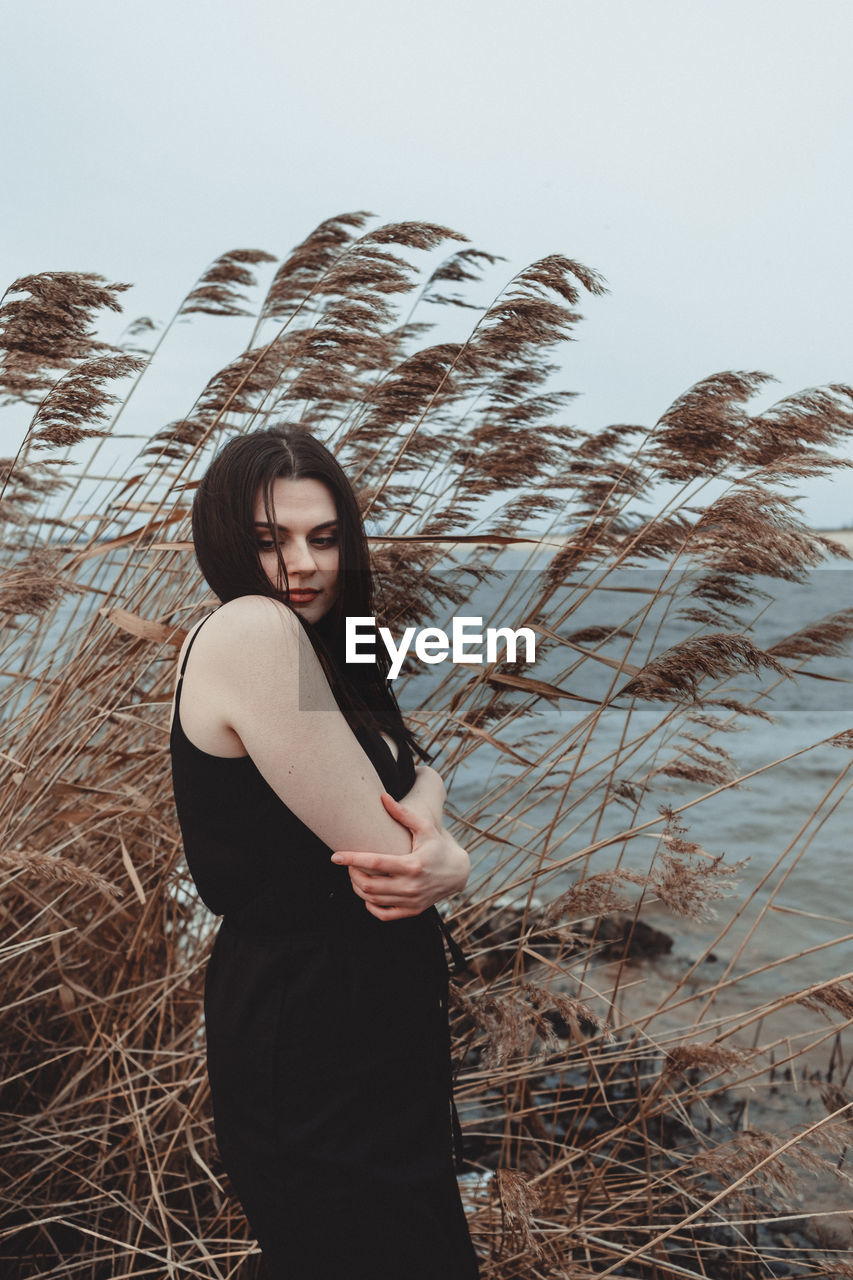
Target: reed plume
{"type": "Point", "coordinates": [220, 289]}
{"type": "Point", "coordinates": [49, 328]}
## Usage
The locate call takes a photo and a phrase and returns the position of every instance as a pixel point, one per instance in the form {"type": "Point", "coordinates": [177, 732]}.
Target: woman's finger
{"type": "Point", "coordinates": [406, 817]}
{"type": "Point", "coordinates": [377, 900]}
{"type": "Point", "coordinates": [391, 913]}
{"type": "Point", "coordinates": [382, 864]}
{"type": "Point", "coordinates": [394, 900]}
{"type": "Point", "coordinates": [403, 881]}
{"type": "Point", "coordinates": [377, 889]}
{"type": "Point", "coordinates": [387, 899]}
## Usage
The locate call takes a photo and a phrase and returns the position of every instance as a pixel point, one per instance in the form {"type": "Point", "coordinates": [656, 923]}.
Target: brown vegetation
{"type": "Point", "coordinates": [602, 1140]}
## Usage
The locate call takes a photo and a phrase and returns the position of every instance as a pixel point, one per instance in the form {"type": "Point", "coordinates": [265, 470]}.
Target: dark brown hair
{"type": "Point", "coordinates": [226, 548]}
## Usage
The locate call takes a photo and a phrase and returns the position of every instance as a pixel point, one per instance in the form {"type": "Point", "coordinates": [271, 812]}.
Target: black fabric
{"type": "Point", "coordinates": [327, 1039]}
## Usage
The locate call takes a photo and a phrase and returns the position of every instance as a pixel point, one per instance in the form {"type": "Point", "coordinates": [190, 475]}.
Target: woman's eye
{"type": "Point", "coordinates": [322, 542]}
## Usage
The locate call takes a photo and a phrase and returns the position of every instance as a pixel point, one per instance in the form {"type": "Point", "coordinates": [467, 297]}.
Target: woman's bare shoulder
{"type": "Point", "coordinates": [250, 617]}
{"type": "Point", "coordinates": [255, 626]}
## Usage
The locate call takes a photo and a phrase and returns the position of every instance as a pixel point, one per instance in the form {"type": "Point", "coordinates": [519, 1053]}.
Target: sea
{"type": "Point", "coordinates": [787, 917]}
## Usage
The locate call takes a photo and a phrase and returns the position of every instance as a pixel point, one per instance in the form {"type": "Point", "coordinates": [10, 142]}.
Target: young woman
{"type": "Point", "coordinates": [326, 992]}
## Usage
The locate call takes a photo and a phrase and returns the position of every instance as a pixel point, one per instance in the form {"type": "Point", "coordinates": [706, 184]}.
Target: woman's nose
{"type": "Point", "coordinates": [299, 558]}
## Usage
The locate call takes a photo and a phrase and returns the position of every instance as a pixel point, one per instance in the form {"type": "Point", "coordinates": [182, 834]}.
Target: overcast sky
{"type": "Point", "coordinates": [696, 153]}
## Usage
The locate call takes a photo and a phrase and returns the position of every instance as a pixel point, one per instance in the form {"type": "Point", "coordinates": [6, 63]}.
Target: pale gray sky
{"type": "Point", "coordinates": [696, 153]}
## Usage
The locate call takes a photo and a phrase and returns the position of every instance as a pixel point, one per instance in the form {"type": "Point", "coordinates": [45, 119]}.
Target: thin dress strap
{"type": "Point", "coordinates": [187, 654]}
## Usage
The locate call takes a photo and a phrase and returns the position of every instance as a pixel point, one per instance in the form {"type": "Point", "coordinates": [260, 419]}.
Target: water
{"type": "Point", "coordinates": [791, 822]}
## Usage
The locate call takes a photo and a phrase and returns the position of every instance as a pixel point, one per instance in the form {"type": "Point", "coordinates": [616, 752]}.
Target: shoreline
{"type": "Point", "coordinates": [450, 542]}
{"type": "Point", "coordinates": [794, 1073]}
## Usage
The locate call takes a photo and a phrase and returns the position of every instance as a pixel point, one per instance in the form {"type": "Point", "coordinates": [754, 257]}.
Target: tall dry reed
{"type": "Point", "coordinates": [607, 1135]}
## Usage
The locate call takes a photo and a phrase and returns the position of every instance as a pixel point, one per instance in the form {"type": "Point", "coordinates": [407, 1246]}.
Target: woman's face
{"type": "Point", "coordinates": [306, 530]}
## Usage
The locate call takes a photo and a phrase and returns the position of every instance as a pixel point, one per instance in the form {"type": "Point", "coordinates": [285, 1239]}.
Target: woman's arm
{"type": "Point", "coordinates": [428, 794]}
{"type": "Point", "coordinates": [262, 680]}
{"type": "Point", "coordinates": [437, 867]}
{"type": "Point", "coordinates": [258, 670]}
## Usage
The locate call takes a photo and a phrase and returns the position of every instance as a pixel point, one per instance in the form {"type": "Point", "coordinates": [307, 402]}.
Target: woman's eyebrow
{"type": "Point", "coordinates": [282, 528]}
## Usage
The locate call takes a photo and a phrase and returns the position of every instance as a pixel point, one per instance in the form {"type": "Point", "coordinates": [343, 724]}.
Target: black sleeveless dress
{"type": "Point", "coordinates": [327, 1039]}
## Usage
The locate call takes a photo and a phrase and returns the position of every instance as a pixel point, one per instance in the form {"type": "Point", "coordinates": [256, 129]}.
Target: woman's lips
{"type": "Point", "coordinates": [301, 597]}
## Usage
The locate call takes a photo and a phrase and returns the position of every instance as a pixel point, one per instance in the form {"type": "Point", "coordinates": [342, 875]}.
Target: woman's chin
{"type": "Point", "coordinates": [312, 612]}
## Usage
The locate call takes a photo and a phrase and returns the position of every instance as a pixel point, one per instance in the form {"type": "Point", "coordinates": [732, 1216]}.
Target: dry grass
{"type": "Point", "coordinates": [611, 1139]}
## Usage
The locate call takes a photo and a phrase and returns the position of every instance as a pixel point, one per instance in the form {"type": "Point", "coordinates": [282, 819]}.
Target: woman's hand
{"type": "Point", "coordinates": [394, 887]}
